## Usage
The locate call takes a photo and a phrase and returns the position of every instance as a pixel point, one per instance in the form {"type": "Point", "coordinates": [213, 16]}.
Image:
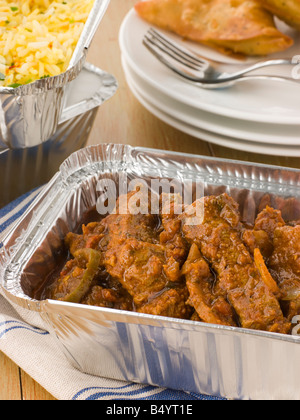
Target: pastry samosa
{"type": "Point", "coordinates": [287, 10]}
{"type": "Point", "coordinates": [238, 26]}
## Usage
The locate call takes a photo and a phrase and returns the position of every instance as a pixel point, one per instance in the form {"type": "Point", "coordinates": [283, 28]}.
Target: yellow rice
{"type": "Point", "coordinates": [38, 37]}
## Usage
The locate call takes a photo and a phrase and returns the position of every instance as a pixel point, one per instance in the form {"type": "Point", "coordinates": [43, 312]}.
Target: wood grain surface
{"type": "Point", "coordinates": [123, 120]}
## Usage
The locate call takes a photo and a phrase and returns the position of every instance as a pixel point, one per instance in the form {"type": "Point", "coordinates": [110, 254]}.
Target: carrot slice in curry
{"type": "Point", "coordinates": [264, 272]}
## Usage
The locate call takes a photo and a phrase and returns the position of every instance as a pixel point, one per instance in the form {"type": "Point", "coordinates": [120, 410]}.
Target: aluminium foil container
{"type": "Point", "coordinates": [30, 113]}
{"type": "Point", "coordinates": [25, 169]}
{"type": "Point", "coordinates": [180, 354]}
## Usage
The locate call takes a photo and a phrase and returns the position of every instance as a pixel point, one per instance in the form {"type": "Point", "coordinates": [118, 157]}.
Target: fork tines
{"type": "Point", "coordinates": [173, 50]}
{"type": "Point", "coordinates": [206, 73]}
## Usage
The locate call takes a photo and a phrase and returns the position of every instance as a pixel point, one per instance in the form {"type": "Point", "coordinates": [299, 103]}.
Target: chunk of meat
{"type": "Point", "coordinates": [116, 228]}
{"type": "Point", "coordinates": [171, 237]}
{"type": "Point", "coordinates": [239, 281]}
{"type": "Point", "coordinates": [143, 271]}
{"type": "Point", "coordinates": [268, 220]}
{"type": "Point", "coordinates": [258, 239]}
{"type": "Point", "coordinates": [140, 263]}
{"type": "Point", "coordinates": [285, 267]}
{"type": "Point", "coordinates": [125, 223]}
{"type": "Point", "coordinates": [200, 281]}
{"type": "Point", "coordinates": [108, 298]}
{"type": "Point", "coordinates": [170, 303]}
{"type": "Point", "coordinates": [110, 234]}
{"type": "Point", "coordinates": [261, 236]}
{"type": "Point", "coordinates": [139, 267]}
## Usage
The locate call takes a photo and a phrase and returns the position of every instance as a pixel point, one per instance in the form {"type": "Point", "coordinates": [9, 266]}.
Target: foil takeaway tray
{"type": "Point", "coordinates": [25, 169]}
{"type": "Point", "coordinates": [185, 355]}
{"type": "Point", "coordinates": [30, 113]}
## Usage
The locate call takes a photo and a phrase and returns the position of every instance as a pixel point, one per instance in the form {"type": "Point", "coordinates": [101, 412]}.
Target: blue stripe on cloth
{"type": "Point", "coordinates": [165, 394]}
{"type": "Point", "coordinates": [20, 325]}
{"type": "Point", "coordinates": [130, 391]}
{"type": "Point", "coordinates": [139, 392]}
{"type": "Point", "coordinates": [10, 207]}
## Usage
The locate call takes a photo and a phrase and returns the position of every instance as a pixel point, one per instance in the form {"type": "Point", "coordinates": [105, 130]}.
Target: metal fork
{"type": "Point", "coordinates": [195, 69]}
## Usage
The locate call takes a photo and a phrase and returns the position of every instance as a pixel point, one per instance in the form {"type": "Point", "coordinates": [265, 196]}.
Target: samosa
{"type": "Point", "coordinates": [287, 10]}
{"type": "Point", "coordinates": [232, 26]}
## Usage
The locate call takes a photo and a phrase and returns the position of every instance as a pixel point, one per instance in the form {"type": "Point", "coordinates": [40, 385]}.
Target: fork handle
{"type": "Point", "coordinates": [229, 82]}
{"type": "Point", "coordinates": [263, 64]}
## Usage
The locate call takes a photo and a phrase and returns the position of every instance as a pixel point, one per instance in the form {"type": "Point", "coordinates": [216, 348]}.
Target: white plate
{"type": "Point", "coordinates": [214, 138]}
{"type": "Point", "coordinates": [268, 102]}
{"type": "Point", "coordinates": [239, 129]}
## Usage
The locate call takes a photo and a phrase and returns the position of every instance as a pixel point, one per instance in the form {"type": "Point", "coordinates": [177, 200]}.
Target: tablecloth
{"type": "Point", "coordinates": [36, 352]}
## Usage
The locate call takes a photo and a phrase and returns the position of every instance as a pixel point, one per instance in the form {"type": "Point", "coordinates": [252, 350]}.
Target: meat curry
{"type": "Point", "coordinates": [218, 271]}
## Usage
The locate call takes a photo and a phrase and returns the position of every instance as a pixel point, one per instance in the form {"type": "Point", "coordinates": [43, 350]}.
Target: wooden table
{"type": "Point", "coordinates": [123, 120]}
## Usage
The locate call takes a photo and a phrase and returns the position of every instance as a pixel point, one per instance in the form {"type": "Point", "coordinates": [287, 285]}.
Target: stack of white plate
{"type": "Point", "coordinates": [255, 116]}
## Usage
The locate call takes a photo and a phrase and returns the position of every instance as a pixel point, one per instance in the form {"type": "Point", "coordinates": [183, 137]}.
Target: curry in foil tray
{"type": "Point", "coordinates": [38, 37]}
{"type": "Point", "coordinates": [212, 268]}
{"type": "Point", "coordinates": [246, 27]}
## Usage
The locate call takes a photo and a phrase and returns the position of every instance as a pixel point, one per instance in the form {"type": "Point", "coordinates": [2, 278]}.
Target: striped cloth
{"type": "Point", "coordinates": [36, 352]}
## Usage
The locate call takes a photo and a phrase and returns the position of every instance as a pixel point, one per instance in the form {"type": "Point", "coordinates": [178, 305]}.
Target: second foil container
{"type": "Point", "coordinates": [25, 169]}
